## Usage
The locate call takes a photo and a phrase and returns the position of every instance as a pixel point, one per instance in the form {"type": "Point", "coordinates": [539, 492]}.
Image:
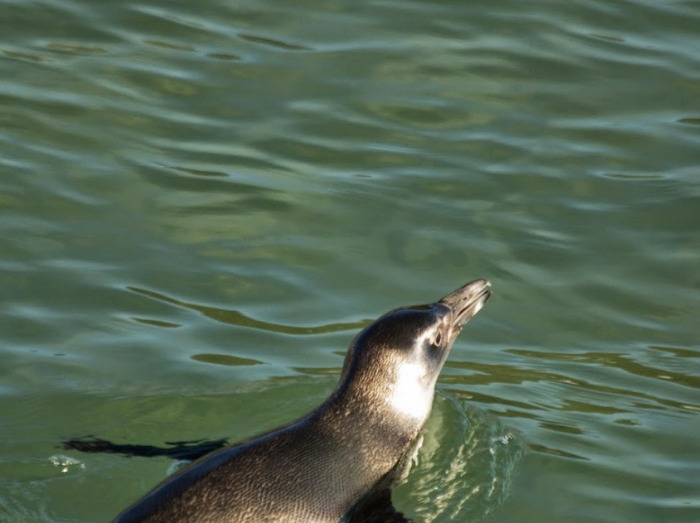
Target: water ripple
{"type": "Point", "coordinates": [233, 317]}
{"type": "Point", "coordinates": [465, 466]}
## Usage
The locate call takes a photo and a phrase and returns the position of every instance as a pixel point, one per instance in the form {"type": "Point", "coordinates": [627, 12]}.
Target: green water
{"type": "Point", "coordinates": [202, 203]}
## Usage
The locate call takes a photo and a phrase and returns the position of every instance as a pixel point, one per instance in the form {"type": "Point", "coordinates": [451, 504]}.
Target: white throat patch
{"type": "Point", "coordinates": [409, 394]}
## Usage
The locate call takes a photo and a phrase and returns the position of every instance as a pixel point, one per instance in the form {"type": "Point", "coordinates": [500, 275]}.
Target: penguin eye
{"type": "Point", "coordinates": [437, 339]}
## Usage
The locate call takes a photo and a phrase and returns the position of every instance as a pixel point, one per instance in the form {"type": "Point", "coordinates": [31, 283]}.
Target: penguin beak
{"type": "Point", "coordinates": [465, 302]}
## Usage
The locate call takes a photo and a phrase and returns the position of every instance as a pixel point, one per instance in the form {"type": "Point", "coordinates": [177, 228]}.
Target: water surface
{"type": "Point", "coordinates": [202, 203]}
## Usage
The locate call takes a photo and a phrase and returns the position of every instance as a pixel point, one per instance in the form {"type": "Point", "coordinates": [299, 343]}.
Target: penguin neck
{"type": "Point", "coordinates": [397, 405]}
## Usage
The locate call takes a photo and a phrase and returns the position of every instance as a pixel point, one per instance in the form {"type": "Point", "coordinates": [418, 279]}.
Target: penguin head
{"type": "Point", "coordinates": [402, 353]}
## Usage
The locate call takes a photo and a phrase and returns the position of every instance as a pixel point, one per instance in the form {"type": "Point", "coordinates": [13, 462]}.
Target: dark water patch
{"type": "Point", "coordinates": [316, 371]}
{"type": "Point", "coordinates": [607, 37]}
{"type": "Point", "coordinates": [158, 323]}
{"type": "Point", "coordinates": [22, 55]}
{"type": "Point", "coordinates": [635, 176]}
{"type": "Point", "coordinates": [225, 56]}
{"type": "Point", "coordinates": [233, 317]}
{"type": "Point", "coordinates": [536, 447]}
{"type": "Point", "coordinates": [272, 42]}
{"type": "Point", "coordinates": [627, 422]}
{"type": "Point", "coordinates": [679, 352]}
{"type": "Point", "coordinates": [226, 360]}
{"type": "Point", "coordinates": [205, 180]}
{"type": "Point", "coordinates": [203, 172]}
{"type": "Point", "coordinates": [559, 427]}
{"type": "Point", "coordinates": [75, 48]}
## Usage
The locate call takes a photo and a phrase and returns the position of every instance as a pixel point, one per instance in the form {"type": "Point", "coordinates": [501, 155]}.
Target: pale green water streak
{"type": "Point", "coordinates": [201, 204]}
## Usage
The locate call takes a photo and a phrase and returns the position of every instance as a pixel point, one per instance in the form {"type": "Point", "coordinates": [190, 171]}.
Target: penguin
{"type": "Point", "coordinates": [338, 463]}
